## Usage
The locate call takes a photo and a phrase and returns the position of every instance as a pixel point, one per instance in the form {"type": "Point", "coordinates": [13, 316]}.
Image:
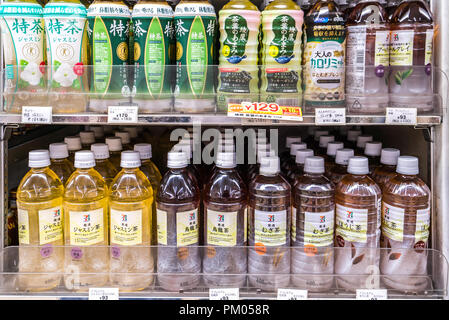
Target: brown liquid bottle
{"type": "Point", "coordinates": [340, 169]}
{"type": "Point", "coordinates": [361, 143]}
{"type": "Point", "coordinates": [331, 153]}
{"type": "Point", "coordinates": [358, 204]}
{"type": "Point", "coordinates": [298, 170]}
{"type": "Point", "coordinates": [286, 153]}
{"type": "Point", "coordinates": [405, 228]}
{"type": "Point", "coordinates": [324, 141]}
{"type": "Point", "coordinates": [372, 152]}
{"type": "Point", "coordinates": [351, 138]}
{"type": "Point", "coordinates": [387, 168]}
{"type": "Point", "coordinates": [290, 164]}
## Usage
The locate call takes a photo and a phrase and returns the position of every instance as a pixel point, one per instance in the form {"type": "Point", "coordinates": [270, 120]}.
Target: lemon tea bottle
{"type": "Point", "coordinates": [60, 164]}
{"type": "Point", "coordinates": [102, 164]}
{"type": "Point", "coordinates": [387, 168]}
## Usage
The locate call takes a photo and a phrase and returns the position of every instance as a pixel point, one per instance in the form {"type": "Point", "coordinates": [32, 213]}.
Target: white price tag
{"type": "Point", "coordinates": [261, 122]}
{"type": "Point", "coordinates": [330, 116]}
{"type": "Point", "coordinates": [371, 294]}
{"type": "Point", "coordinates": [405, 116]}
{"type": "Point", "coordinates": [37, 114]}
{"type": "Point", "coordinates": [292, 294]}
{"type": "Point", "coordinates": [224, 294]}
{"type": "Point", "coordinates": [103, 293]}
{"type": "Point", "coordinates": [122, 114]}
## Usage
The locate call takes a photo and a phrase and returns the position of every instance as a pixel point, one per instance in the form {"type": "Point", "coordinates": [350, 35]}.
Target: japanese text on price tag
{"type": "Point", "coordinates": [36, 114]}
{"type": "Point", "coordinates": [330, 116]}
{"type": "Point", "coordinates": [405, 116]}
{"type": "Point", "coordinates": [224, 294]}
{"type": "Point", "coordinates": [122, 114]}
{"type": "Point", "coordinates": [371, 294]}
{"type": "Point", "coordinates": [264, 110]}
{"type": "Point", "coordinates": [103, 293]}
{"type": "Point", "coordinates": [292, 294]}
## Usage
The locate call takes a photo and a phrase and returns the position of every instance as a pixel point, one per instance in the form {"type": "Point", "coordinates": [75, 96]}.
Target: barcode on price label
{"type": "Point", "coordinates": [122, 114]}
{"type": "Point", "coordinates": [292, 294]}
{"type": "Point", "coordinates": [31, 114]}
{"type": "Point", "coordinates": [405, 116]}
{"type": "Point", "coordinates": [371, 294]}
{"type": "Point", "coordinates": [224, 294]}
{"type": "Point", "coordinates": [103, 293]}
{"type": "Point", "coordinates": [330, 116]}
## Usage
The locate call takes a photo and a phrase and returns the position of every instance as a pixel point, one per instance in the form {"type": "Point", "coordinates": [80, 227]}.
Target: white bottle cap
{"type": "Point", "coordinates": [58, 150]}
{"type": "Point", "coordinates": [226, 160]}
{"type": "Point", "coordinates": [144, 150]}
{"type": "Point", "coordinates": [358, 165]}
{"type": "Point", "coordinates": [130, 159]}
{"type": "Point", "coordinates": [353, 134]}
{"type": "Point", "coordinates": [265, 154]}
{"type": "Point", "coordinates": [362, 140]}
{"type": "Point", "coordinates": [114, 144]}
{"type": "Point", "coordinates": [126, 139]}
{"type": "Point", "coordinates": [84, 159]}
{"type": "Point", "coordinates": [314, 165]}
{"type": "Point", "coordinates": [176, 159]}
{"type": "Point", "coordinates": [297, 146]}
{"type": "Point", "coordinates": [38, 158]}
{"type": "Point", "coordinates": [319, 133]}
{"type": "Point", "coordinates": [269, 166]}
{"type": "Point", "coordinates": [389, 156]}
{"type": "Point", "coordinates": [100, 150]}
{"type": "Point", "coordinates": [301, 155]}
{"type": "Point", "coordinates": [132, 132]}
{"type": "Point", "coordinates": [408, 165]}
{"type": "Point", "coordinates": [98, 132]}
{"type": "Point", "coordinates": [87, 137]}
{"type": "Point", "coordinates": [332, 148]}
{"type": "Point", "coordinates": [73, 143]}
{"type": "Point", "coordinates": [226, 148]}
{"type": "Point", "coordinates": [291, 139]}
{"type": "Point", "coordinates": [324, 141]}
{"type": "Point", "coordinates": [373, 149]}
{"type": "Point", "coordinates": [343, 155]}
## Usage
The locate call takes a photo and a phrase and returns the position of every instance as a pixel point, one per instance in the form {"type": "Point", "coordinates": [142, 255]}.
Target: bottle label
{"type": "Point", "coordinates": [352, 224]}
{"type": "Point", "coordinates": [126, 227]}
{"type": "Point", "coordinates": [221, 228]}
{"type": "Point", "coordinates": [187, 227]}
{"type": "Point", "coordinates": [319, 228]}
{"type": "Point", "coordinates": [245, 225]}
{"type": "Point", "coordinates": [270, 227]}
{"type": "Point", "coordinates": [293, 224]}
{"type": "Point", "coordinates": [65, 34]}
{"type": "Point", "coordinates": [161, 227]}
{"type": "Point", "coordinates": [422, 225]}
{"type": "Point", "coordinates": [50, 225]}
{"type": "Point", "coordinates": [393, 222]}
{"type": "Point", "coordinates": [401, 47]}
{"type": "Point", "coordinates": [382, 49]}
{"type": "Point", "coordinates": [24, 226]}
{"type": "Point", "coordinates": [429, 47]}
{"type": "Point", "coordinates": [86, 227]}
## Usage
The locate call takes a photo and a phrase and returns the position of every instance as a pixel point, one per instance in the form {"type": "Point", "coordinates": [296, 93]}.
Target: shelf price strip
{"type": "Point", "coordinates": [371, 294]}
{"type": "Point", "coordinates": [264, 110]}
{"type": "Point", "coordinates": [103, 294]}
{"type": "Point", "coordinates": [31, 114]}
{"type": "Point", "coordinates": [330, 116]}
{"type": "Point", "coordinates": [292, 294]}
{"type": "Point", "coordinates": [224, 294]}
{"type": "Point", "coordinates": [404, 116]}
{"type": "Point", "coordinates": [122, 114]}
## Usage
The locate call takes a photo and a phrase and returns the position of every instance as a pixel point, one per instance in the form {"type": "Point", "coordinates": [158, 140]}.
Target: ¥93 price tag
{"type": "Point", "coordinates": [103, 293]}
{"type": "Point", "coordinates": [122, 114]}
{"type": "Point", "coordinates": [37, 114]}
{"type": "Point", "coordinates": [330, 116]}
{"type": "Point", "coordinates": [371, 294]}
{"type": "Point", "coordinates": [292, 294]}
{"type": "Point", "coordinates": [404, 116]}
{"type": "Point", "coordinates": [224, 294]}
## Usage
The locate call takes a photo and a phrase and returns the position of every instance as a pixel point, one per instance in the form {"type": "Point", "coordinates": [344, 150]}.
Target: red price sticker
{"type": "Point", "coordinates": [264, 110]}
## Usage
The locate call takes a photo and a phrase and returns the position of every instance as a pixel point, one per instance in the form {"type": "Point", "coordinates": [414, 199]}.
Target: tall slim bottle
{"type": "Point", "coordinates": [73, 145]}
{"type": "Point", "coordinates": [60, 164]}
{"type": "Point", "coordinates": [102, 163]}
{"type": "Point", "coordinates": [115, 150]}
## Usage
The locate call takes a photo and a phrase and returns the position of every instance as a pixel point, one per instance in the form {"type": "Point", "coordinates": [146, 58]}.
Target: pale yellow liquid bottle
{"type": "Point", "coordinates": [60, 164]}
{"type": "Point", "coordinates": [87, 139]}
{"type": "Point", "coordinates": [102, 163]}
{"type": "Point", "coordinates": [74, 145]}
{"type": "Point", "coordinates": [39, 201]}
{"type": "Point", "coordinates": [126, 139]}
{"type": "Point", "coordinates": [85, 226]}
{"type": "Point", "coordinates": [131, 199]}
{"type": "Point", "coordinates": [115, 150]}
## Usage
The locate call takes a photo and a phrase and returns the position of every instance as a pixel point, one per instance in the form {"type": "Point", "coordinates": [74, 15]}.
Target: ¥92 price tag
{"type": "Point", "coordinates": [330, 116]}
{"type": "Point", "coordinates": [404, 116]}
{"type": "Point", "coordinates": [37, 114]}
{"type": "Point", "coordinates": [292, 294]}
{"type": "Point", "coordinates": [122, 114]}
{"type": "Point", "coordinates": [103, 293]}
{"type": "Point", "coordinates": [224, 294]}
{"type": "Point", "coordinates": [371, 294]}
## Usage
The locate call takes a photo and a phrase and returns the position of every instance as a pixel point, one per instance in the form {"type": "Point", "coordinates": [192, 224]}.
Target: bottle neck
{"type": "Point", "coordinates": [130, 170]}
{"type": "Point", "coordinates": [407, 176]}
{"type": "Point", "coordinates": [83, 170]}
{"type": "Point", "coordinates": [60, 160]}
{"type": "Point", "coordinates": [39, 170]}
{"type": "Point", "coordinates": [145, 161]}
{"type": "Point", "coordinates": [98, 161]}
{"type": "Point", "coordinates": [313, 174]}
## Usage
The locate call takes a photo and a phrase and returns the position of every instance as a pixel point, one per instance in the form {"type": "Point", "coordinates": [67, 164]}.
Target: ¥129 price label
{"type": "Point", "coordinates": [371, 294]}
{"type": "Point", "coordinates": [224, 294]}
{"type": "Point", "coordinates": [292, 294]}
{"type": "Point", "coordinates": [330, 116]}
{"type": "Point", "coordinates": [32, 114]}
{"type": "Point", "coordinates": [404, 116]}
{"type": "Point", "coordinates": [122, 114]}
{"type": "Point", "coordinates": [264, 111]}
{"type": "Point", "coordinates": [103, 294]}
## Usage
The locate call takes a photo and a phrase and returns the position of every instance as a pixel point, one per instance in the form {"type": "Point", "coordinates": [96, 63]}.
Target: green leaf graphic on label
{"type": "Point", "coordinates": [399, 77]}
{"type": "Point", "coordinates": [41, 82]}
{"type": "Point", "coordinates": [237, 33]}
{"type": "Point", "coordinates": [55, 84]}
{"type": "Point", "coordinates": [197, 56]}
{"type": "Point", "coordinates": [102, 52]}
{"type": "Point", "coordinates": [407, 73]}
{"type": "Point", "coordinates": [155, 57]}
{"type": "Point", "coordinates": [76, 84]}
{"type": "Point", "coordinates": [56, 63]}
{"type": "Point", "coordinates": [285, 33]}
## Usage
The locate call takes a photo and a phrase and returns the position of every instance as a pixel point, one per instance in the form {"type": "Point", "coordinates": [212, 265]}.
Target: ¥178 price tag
{"type": "Point", "coordinates": [330, 116]}
{"type": "Point", "coordinates": [103, 293]}
{"type": "Point", "coordinates": [31, 114]}
{"type": "Point", "coordinates": [371, 294]}
{"type": "Point", "coordinates": [224, 294]}
{"type": "Point", "coordinates": [404, 116]}
{"type": "Point", "coordinates": [122, 114]}
{"type": "Point", "coordinates": [292, 294]}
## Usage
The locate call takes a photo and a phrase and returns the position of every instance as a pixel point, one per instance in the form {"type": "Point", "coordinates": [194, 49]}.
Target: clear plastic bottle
{"type": "Point", "coordinates": [351, 138]}
{"type": "Point", "coordinates": [39, 210]}
{"type": "Point", "coordinates": [387, 168]}
{"type": "Point", "coordinates": [269, 223]}
{"type": "Point", "coordinates": [126, 139]}
{"type": "Point", "coordinates": [178, 227]}
{"type": "Point", "coordinates": [340, 169]}
{"type": "Point", "coordinates": [74, 145]}
{"type": "Point", "coordinates": [372, 152]}
{"type": "Point", "coordinates": [324, 141]}
{"type": "Point", "coordinates": [405, 228]}
{"type": "Point", "coordinates": [331, 154]}
{"type": "Point", "coordinates": [290, 162]}
{"type": "Point", "coordinates": [286, 153]}
{"type": "Point", "coordinates": [315, 210]}
{"type": "Point", "coordinates": [98, 133]}
{"type": "Point", "coordinates": [87, 138]}
{"type": "Point", "coordinates": [358, 205]}
{"type": "Point", "coordinates": [316, 138]}
{"type": "Point", "coordinates": [392, 5]}
{"type": "Point", "coordinates": [60, 164]}
{"type": "Point", "coordinates": [102, 164]}
{"type": "Point", "coordinates": [130, 202]}
{"type": "Point", "coordinates": [361, 144]}
{"type": "Point", "coordinates": [115, 150]}
{"type": "Point", "coordinates": [298, 170]}
{"type": "Point", "coordinates": [85, 226]}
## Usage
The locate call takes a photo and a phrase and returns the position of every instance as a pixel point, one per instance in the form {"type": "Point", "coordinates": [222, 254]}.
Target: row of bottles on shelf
{"type": "Point", "coordinates": [76, 58]}
{"type": "Point", "coordinates": [323, 198]}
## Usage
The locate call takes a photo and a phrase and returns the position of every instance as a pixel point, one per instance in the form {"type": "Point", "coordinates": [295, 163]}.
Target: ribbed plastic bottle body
{"type": "Point", "coordinates": [106, 169]}
{"type": "Point", "coordinates": [382, 174]}
{"type": "Point", "coordinates": [63, 169]}
{"type": "Point", "coordinates": [39, 206]}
